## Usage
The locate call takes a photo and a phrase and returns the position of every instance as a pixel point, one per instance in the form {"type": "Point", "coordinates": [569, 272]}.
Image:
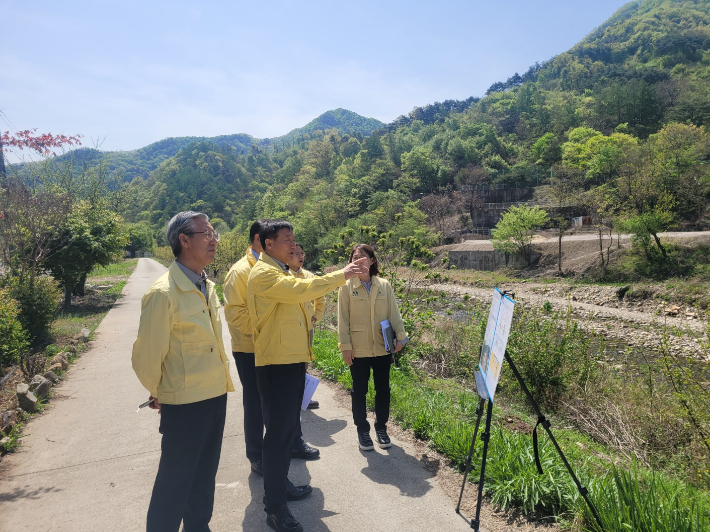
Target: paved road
{"type": "Point", "coordinates": [485, 245]}
{"type": "Point", "coordinates": [89, 462]}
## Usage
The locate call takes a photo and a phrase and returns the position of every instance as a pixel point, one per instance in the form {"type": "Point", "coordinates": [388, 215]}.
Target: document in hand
{"type": "Point", "coordinates": [388, 335]}
{"type": "Point", "coordinates": [309, 390]}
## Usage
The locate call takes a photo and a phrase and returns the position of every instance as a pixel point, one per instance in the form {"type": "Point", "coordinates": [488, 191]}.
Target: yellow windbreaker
{"type": "Point", "coordinates": [360, 314]}
{"type": "Point", "coordinates": [235, 303]}
{"type": "Point", "coordinates": [314, 307]}
{"type": "Point", "coordinates": [178, 355]}
{"type": "Point", "coordinates": [274, 298]}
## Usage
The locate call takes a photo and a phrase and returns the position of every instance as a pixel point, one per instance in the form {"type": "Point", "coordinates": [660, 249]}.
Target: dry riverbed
{"type": "Point", "coordinates": [636, 322]}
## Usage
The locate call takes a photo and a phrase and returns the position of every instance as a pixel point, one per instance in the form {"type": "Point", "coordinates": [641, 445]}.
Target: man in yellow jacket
{"type": "Point", "coordinates": [179, 358]}
{"type": "Point", "coordinates": [281, 347]}
{"type": "Point", "coordinates": [237, 316]}
{"type": "Point", "coordinates": [314, 309]}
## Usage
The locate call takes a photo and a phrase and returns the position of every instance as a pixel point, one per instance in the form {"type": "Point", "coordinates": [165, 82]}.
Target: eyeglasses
{"type": "Point", "coordinates": [297, 254]}
{"type": "Point", "coordinates": [209, 235]}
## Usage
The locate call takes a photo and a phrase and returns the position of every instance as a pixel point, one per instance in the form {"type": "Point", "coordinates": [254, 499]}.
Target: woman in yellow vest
{"type": "Point", "coordinates": [363, 302]}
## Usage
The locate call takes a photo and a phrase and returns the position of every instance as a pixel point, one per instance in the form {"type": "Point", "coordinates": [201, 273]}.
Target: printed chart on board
{"type": "Point", "coordinates": [495, 341]}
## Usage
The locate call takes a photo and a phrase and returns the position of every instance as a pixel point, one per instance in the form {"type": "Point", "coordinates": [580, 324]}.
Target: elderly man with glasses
{"type": "Point", "coordinates": [180, 359]}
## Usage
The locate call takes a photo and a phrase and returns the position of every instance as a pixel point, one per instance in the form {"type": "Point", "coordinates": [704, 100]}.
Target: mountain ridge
{"type": "Point", "coordinates": [142, 161]}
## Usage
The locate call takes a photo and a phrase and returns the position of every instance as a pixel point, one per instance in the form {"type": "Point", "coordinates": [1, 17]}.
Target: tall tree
{"type": "Point", "coordinates": [564, 186]}
{"type": "Point", "coordinates": [92, 235]}
{"type": "Point", "coordinates": [516, 228]}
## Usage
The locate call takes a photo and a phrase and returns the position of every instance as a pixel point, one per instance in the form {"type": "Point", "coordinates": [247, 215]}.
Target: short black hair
{"type": "Point", "coordinates": [271, 230]}
{"type": "Point", "coordinates": [255, 229]}
{"type": "Point", "coordinates": [299, 245]}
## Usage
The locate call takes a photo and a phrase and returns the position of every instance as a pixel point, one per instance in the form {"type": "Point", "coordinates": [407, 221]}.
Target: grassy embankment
{"type": "Point", "coordinates": [645, 483]}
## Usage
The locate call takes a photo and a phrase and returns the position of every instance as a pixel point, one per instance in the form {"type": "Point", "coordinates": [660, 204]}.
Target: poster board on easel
{"type": "Point", "coordinates": [495, 340]}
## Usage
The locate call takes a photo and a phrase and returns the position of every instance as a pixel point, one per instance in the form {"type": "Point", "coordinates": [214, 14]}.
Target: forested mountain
{"type": "Point", "coordinates": [140, 162]}
{"type": "Point", "coordinates": [339, 119]}
{"type": "Point", "coordinates": [621, 116]}
{"type": "Point", "coordinates": [648, 64]}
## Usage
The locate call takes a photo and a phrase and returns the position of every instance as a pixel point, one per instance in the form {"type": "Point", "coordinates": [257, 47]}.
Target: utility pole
{"type": "Point", "coordinates": [2, 161]}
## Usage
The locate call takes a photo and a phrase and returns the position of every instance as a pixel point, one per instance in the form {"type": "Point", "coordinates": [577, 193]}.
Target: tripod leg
{"type": "Point", "coordinates": [546, 425]}
{"type": "Point", "coordinates": [479, 414]}
{"type": "Point", "coordinates": [485, 437]}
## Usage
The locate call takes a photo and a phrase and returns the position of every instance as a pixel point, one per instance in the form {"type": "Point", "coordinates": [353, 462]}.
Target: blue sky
{"type": "Point", "coordinates": [130, 73]}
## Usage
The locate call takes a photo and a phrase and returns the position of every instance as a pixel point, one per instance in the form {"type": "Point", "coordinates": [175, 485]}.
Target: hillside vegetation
{"type": "Point", "coordinates": [618, 123]}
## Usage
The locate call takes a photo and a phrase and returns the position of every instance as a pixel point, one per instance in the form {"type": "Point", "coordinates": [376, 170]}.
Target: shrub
{"type": "Point", "coordinates": [38, 303]}
{"type": "Point", "coordinates": [163, 255]}
{"type": "Point", "coordinates": [451, 347]}
{"type": "Point", "coordinates": [552, 353]}
{"type": "Point", "coordinates": [13, 339]}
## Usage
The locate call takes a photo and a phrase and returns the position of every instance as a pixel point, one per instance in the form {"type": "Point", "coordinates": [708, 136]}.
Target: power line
{"type": "Point", "coordinates": [7, 121]}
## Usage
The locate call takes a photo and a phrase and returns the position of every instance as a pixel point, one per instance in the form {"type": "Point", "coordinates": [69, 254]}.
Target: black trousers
{"type": "Point", "coordinates": [360, 371]}
{"type": "Point", "coordinates": [281, 391]}
{"type": "Point", "coordinates": [190, 450]}
{"type": "Point", "coordinates": [251, 402]}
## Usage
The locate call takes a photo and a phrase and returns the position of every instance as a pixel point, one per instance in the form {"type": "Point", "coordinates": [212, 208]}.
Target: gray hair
{"type": "Point", "coordinates": [183, 223]}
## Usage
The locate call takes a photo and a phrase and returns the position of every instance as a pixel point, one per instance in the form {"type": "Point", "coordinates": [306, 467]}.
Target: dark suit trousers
{"type": "Point", "coordinates": [190, 450]}
{"type": "Point", "coordinates": [281, 390]}
{"type": "Point", "coordinates": [360, 371]}
{"type": "Point", "coordinates": [253, 420]}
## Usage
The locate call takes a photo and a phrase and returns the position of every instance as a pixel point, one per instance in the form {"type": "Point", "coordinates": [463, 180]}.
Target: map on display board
{"type": "Point", "coordinates": [495, 341]}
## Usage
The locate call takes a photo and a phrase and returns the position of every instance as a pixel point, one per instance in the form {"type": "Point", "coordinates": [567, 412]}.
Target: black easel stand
{"type": "Point", "coordinates": [542, 420]}
{"type": "Point", "coordinates": [485, 437]}
{"type": "Point", "coordinates": [479, 414]}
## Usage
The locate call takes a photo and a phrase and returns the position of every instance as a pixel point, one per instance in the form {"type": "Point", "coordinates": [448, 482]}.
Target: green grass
{"type": "Point", "coordinates": [478, 278]}
{"type": "Point", "coordinates": [13, 439]}
{"type": "Point", "coordinates": [90, 313]}
{"type": "Point", "coordinates": [648, 501]}
{"type": "Point", "coordinates": [69, 325]}
{"type": "Point", "coordinates": [116, 289]}
{"type": "Point", "coordinates": [117, 269]}
{"type": "Point", "coordinates": [443, 412]}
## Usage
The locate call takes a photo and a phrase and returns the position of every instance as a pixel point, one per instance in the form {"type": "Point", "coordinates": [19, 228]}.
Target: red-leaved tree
{"type": "Point", "coordinates": [43, 144]}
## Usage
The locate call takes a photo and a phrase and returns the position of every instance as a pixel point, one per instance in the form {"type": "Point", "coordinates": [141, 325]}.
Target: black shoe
{"type": "Point", "coordinates": [283, 521]}
{"type": "Point", "coordinates": [295, 493]}
{"type": "Point", "coordinates": [302, 450]}
{"type": "Point", "coordinates": [364, 441]}
{"type": "Point", "coordinates": [256, 468]}
{"type": "Point", "coordinates": [313, 404]}
{"type": "Point", "coordinates": [383, 440]}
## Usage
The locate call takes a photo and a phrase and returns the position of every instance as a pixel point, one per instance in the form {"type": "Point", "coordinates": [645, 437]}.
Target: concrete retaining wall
{"type": "Point", "coordinates": [486, 260]}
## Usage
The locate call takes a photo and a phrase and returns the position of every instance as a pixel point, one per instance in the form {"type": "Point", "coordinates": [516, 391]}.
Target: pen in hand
{"type": "Point", "coordinates": [143, 405]}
